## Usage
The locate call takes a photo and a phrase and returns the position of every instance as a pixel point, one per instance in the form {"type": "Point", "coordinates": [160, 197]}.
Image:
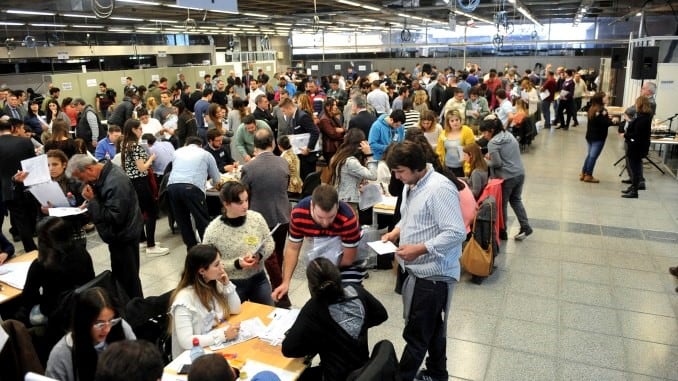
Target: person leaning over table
{"type": "Point", "coordinates": [237, 235]}
{"type": "Point", "coordinates": [204, 299]}
{"type": "Point", "coordinates": [333, 323]}
{"type": "Point", "coordinates": [96, 324]}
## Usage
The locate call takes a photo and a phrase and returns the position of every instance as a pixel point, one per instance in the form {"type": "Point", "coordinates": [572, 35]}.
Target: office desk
{"type": "Point", "coordinates": [254, 349]}
{"type": "Point", "coordinates": [670, 143]}
{"type": "Point", "coordinates": [387, 207]}
{"type": "Point", "coordinates": [8, 292]}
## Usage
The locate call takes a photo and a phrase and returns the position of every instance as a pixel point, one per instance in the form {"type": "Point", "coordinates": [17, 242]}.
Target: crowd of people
{"type": "Point", "coordinates": [432, 138]}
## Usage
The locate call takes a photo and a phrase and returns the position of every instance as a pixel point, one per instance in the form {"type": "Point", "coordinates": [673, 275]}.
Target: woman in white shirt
{"type": "Point", "coordinates": [203, 300]}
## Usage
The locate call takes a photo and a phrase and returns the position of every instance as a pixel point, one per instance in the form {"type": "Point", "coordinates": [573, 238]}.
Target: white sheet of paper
{"type": "Point", "coordinates": [275, 332]}
{"type": "Point", "coordinates": [65, 211]}
{"type": "Point", "coordinates": [249, 329]}
{"type": "Point", "coordinates": [51, 192]}
{"type": "Point", "coordinates": [15, 273]}
{"type": "Point", "coordinates": [38, 171]}
{"type": "Point", "coordinates": [300, 141]}
{"type": "Point", "coordinates": [3, 339]}
{"type": "Point", "coordinates": [370, 196]}
{"type": "Point", "coordinates": [30, 376]}
{"type": "Point", "coordinates": [381, 247]}
{"type": "Point", "coordinates": [544, 94]}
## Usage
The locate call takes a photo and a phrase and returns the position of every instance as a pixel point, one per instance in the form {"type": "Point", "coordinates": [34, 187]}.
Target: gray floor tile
{"type": "Point", "coordinates": [534, 266]}
{"type": "Point", "coordinates": [531, 308]}
{"type": "Point", "coordinates": [478, 299]}
{"type": "Point", "coordinates": [467, 360]}
{"type": "Point", "coordinates": [592, 348]}
{"type": "Point", "coordinates": [644, 280]}
{"type": "Point", "coordinates": [661, 236]}
{"type": "Point", "coordinates": [662, 249]}
{"type": "Point", "coordinates": [471, 326]}
{"type": "Point", "coordinates": [643, 301]}
{"type": "Point", "coordinates": [534, 284]}
{"type": "Point", "coordinates": [589, 318]}
{"type": "Point", "coordinates": [630, 261]}
{"type": "Point", "coordinates": [511, 365]}
{"type": "Point", "coordinates": [610, 231]}
{"type": "Point", "coordinates": [590, 255]}
{"type": "Point", "coordinates": [657, 360]}
{"type": "Point", "coordinates": [546, 224]}
{"type": "Point", "coordinates": [625, 244]}
{"type": "Point", "coordinates": [646, 327]}
{"type": "Point", "coordinates": [571, 371]}
{"type": "Point", "coordinates": [586, 293]}
{"type": "Point", "coordinates": [576, 227]}
{"type": "Point", "coordinates": [586, 272]}
{"type": "Point", "coordinates": [582, 240]}
{"type": "Point", "coordinates": [527, 336]}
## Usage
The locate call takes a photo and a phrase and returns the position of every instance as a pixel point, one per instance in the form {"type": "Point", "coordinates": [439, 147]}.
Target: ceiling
{"type": "Point", "coordinates": [278, 18]}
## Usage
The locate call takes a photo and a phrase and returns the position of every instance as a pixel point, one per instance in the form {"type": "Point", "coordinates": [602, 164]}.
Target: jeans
{"type": "Point", "coordinates": [149, 208]}
{"type": "Point", "coordinates": [256, 289]}
{"type": "Point", "coordinates": [188, 200]}
{"type": "Point", "coordinates": [546, 110]}
{"type": "Point", "coordinates": [511, 192]}
{"type": "Point", "coordinates": [125, 266]}
{"type": "Point", "coordinates": [425, 331]}
{"type": "Point", "coordinates": [595, 148]}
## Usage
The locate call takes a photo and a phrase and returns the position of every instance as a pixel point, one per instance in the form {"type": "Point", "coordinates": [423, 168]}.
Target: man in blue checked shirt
{"type": "Point", "coordinates": [431, 232]}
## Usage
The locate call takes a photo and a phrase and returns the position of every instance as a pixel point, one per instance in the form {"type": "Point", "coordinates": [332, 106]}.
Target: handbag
{"type": "Point", "coordinates": [475, 259]}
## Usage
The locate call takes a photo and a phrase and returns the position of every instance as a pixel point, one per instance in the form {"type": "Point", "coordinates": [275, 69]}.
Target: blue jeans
{"type": "Point", "coordinates": [511, 192]}
{"type": "Point", "coordinates": [425, 331]}
{"type": "Point", "coordinates": [595, 148]}
{"type": "Point", "coordinates": [256, 289]}
{"type": "Point", "coordinates": [546, 111]}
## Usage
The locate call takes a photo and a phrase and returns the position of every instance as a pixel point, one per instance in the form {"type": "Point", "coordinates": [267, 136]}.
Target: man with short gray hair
{"type": "Point", "coordinates": [113, 204]}
{"type": "Point", "coordinates": [362, 118]}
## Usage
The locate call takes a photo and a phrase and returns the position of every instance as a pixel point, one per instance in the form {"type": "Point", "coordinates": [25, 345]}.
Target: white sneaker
{"type": "Point", "coordinates": [157, 251]}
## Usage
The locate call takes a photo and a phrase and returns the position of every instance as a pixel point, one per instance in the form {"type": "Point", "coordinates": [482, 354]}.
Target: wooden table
{"type": "Point", "coordinates": [8, 292]}
{"type": "Point", "coordinates": [385, 209]}
{"type": "Point", "coordinates": [256, 349]}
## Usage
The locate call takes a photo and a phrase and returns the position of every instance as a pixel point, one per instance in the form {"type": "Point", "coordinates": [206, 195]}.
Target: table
{"type": "Point", "coordinates": [615, 110]}
{"type": "Point", "coordinates": [670, 143]}
{"type": "Point", "coordinates": [8, 292]}
{"type": "Point", "coordinates": [254, 349]}
{"type": "Point", "coordinates": [386, 208]}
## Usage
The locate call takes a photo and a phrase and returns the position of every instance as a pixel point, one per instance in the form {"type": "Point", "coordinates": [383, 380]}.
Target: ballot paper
{"type": "Point", "coordinates": [49, 192]}
{"type": "Point", "coordinates": [38, 171]}
{"type": "Point", "coordinates": [381, 247]}
{"type": "Point", "coordinates": [65, 211]}
{"type": "Point", "coordinates": [15, 273]}
{"type": "Point", "coordinates": [299, 141]}
{"type": "Point", "coordinates": [281, 323]}
{"type": "Point", "coordinates": [249, 329]}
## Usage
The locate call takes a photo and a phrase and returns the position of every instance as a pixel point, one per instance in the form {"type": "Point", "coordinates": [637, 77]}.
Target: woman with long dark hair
{"type": "Point", "coordinates": [333, 324]}
{"type": "Point", "coordinates": [60, 138]}
{"type": "Point", "coordinates": [54, 113]}
{"type": "Point", "coordinates": [202, 301]}
{"type": "Point", "coordinates": [34, 121]}
{"type": "Point", "coordinates": [136, 163]}
{"type": "Point", "coordinates": [331, 128]}
{"type": "Point", "coordinates": [96, 323]}
{"type": "Point", "coordinates": [351, 166]}
{"type": "Point", "coordinates": [186, 124]}
{"type": "Point", "coordinates": [596, 134]}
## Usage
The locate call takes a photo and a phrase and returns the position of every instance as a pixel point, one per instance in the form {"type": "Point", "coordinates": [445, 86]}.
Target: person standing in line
{"type": "Point", "coordinates": [431, 232]}
{"type": "Point", "coordinates": [637, 139]}
{"type": "Point", "coordinates": [596, 134]}
{"type": "Point", "coordinates": [114, 207]}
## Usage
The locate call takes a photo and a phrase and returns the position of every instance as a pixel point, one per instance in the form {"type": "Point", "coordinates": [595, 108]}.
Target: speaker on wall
{"type": "Point", "coordinates": [618, 58]}
{"type": "Point", "coordinates": [645, 62]}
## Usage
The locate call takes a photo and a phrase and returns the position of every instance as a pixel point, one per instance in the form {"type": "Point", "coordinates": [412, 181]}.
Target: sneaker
{"type": "Point", "coordinates": [143, 244]}
{"type": "Point", "coordinates": [523, 234]}
{"type": "Point", "coordinates": [157, 251]}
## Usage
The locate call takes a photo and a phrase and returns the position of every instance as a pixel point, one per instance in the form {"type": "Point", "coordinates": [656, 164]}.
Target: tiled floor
{"type": "Point", "coordinates": [586, 297]}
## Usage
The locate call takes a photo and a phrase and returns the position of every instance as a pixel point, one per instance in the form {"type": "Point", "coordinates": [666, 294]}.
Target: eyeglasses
{"type": "Point", "coordinates": [99, 325]}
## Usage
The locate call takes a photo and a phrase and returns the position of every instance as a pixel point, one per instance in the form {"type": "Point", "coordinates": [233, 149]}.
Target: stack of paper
{"type": "Point", "coordinates": [282, 322]}
{"type": "Point", "coordinates": [249, 329]}
{"type": "Point", "coordinates": [14, 274]}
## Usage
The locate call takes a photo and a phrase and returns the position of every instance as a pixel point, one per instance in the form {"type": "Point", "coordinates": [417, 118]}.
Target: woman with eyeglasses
{"type": "Point", "coordinates": [202, 301]}
{"type": "Point", "coordinates": [96, 324]}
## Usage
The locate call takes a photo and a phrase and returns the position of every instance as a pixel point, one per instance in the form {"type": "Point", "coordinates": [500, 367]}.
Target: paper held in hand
{"type": "Point", "coordinates": [300, 141]}
{"type": "Point", "coordinates": [381, 247]}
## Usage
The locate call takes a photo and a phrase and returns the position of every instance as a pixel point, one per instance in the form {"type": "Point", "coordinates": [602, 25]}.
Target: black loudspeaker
{"type": "Point", "coordinates": [618, 58]}
{"type": "Point", "coordinates": [645, 62]}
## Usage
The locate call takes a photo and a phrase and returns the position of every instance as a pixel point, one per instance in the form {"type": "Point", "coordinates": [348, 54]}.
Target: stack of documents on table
{"type": "Point", "coordinates": [14, 274]}
{"type": "Point", "coordinates": [249, 329]}
{"type": "Point", "coordinates": [282, 321]}
{"type": "Point", "coordinates": [45, 190]}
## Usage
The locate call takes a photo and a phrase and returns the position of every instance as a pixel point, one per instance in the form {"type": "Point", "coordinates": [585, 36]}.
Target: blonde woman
{"type": "Point", "coordinates": [421, 101]}
{"type": "Point", "coordinates": [451, 142]}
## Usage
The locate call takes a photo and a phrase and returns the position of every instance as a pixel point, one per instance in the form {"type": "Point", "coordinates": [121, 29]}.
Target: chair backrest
{"type": "Point", "coordinates": [106, 281]}
{"type": "Point", "coordinates": [311, 182]}
{"type": "Point", "coordinates": [382, 365]}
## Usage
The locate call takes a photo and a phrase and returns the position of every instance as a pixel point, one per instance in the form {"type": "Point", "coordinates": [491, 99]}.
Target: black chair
{"type": "Point", "coordinates": [382, 365]}
{"type": "Point", "coordinates": [311, 182]}
{"type": "Point", "coordinates": [106, 281]}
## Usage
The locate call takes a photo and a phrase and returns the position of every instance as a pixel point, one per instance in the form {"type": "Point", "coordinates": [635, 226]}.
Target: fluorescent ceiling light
{"type": "Point", "coordinates": [119, 30]}
{"type": "Point", "coordinates": [639, 14]}
{"type": "Point", "coordinates": [87, 26]}
{"type": "Point", "coordinates": [145, 28]}
{"type": "Point", "coordinates": [126, 19]}
{"type": "Point", "coordinates": [180, 7]}
{"type": "Point", "coordinates": [227, 12]}
{"type": "Point", "coordinates": [512, 1]}
{"type": "Point", "coordinates": [49, 25]}
{"type": "Point", "coordinates": [142, 2]}
{"type": "Point", "coordinates": [282, 23]}
{"type": "Point", "coordinates": [9, 23]}
{"type": "Point", "coordinates": [22, 12]}
{"type": "Point", "coordinates": [404, 15]}
{"type": "Point", "coordinates": [163, 21]}
{"type": "Point", "coordinates": [371, 7]}
{"type": "Point", "coordinates": [82, 16]}
{"type": "Point", "coordinates": [347, 2]}
{"type": "Point", "coordinates": [254, 14]}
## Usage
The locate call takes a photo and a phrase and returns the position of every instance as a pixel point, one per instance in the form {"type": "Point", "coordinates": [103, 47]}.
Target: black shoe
{"type": "Point", "coordinates": [641, 186]}
{"type": "Point", "coordinates": [627, 181]}
{"type": "Point", "coordinates": [632, 194]}
{"type": "Point", "coordinates": [523, 234]}
{"type": "Point", "coordinates": [628, 190]}
{"type": "Point", "coordinates": [503, 235]}
{"type": "Point", "coordinates": [673, 271]}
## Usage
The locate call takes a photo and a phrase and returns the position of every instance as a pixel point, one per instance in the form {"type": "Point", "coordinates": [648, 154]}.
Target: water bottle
{"type": "Point", "coordinates": [71, 199]}
{"type": "Point", "coordinates": [197, 350]}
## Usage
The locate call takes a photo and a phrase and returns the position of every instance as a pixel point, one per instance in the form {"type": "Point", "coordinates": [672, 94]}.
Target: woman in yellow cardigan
{"type": "Point", "coordinates": [451, 143]}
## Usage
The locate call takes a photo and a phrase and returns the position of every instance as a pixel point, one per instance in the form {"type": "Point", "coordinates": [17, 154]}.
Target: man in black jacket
{"type": "Point", "coordinates": [302, 123]}
{"type": "Point", "coordinates": [115, 211]}
{"type": "Point", "coordinates": [362, 119]}
{"type": "Point", "coordinates": [263, 112]}
{"type": "Point", "coordinates": [124, 109]}
{"type": "Point", "coordinates": [89, 127]}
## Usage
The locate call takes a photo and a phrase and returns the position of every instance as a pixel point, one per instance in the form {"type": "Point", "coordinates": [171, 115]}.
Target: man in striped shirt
{"type": "Point", "coordinates": [322, 216]}
{"type": "Point", "coordinates": [431, 231]}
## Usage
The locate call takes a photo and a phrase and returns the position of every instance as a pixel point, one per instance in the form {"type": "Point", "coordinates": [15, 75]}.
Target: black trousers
{"type": "Point", "coordinates": [188, 200]}
{"type": "Point", "coordinates": [149, 208]}
{"type": "Point", "coordinates": [125, 266]}
{"type": "Point", "coordinates": [22, 211]}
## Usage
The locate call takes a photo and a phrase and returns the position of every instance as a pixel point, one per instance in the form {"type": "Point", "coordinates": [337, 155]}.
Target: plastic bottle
{"type": "Point", "coordinates": [71, 199]}
{"type": "Point", "coordinates": [197, 350]}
